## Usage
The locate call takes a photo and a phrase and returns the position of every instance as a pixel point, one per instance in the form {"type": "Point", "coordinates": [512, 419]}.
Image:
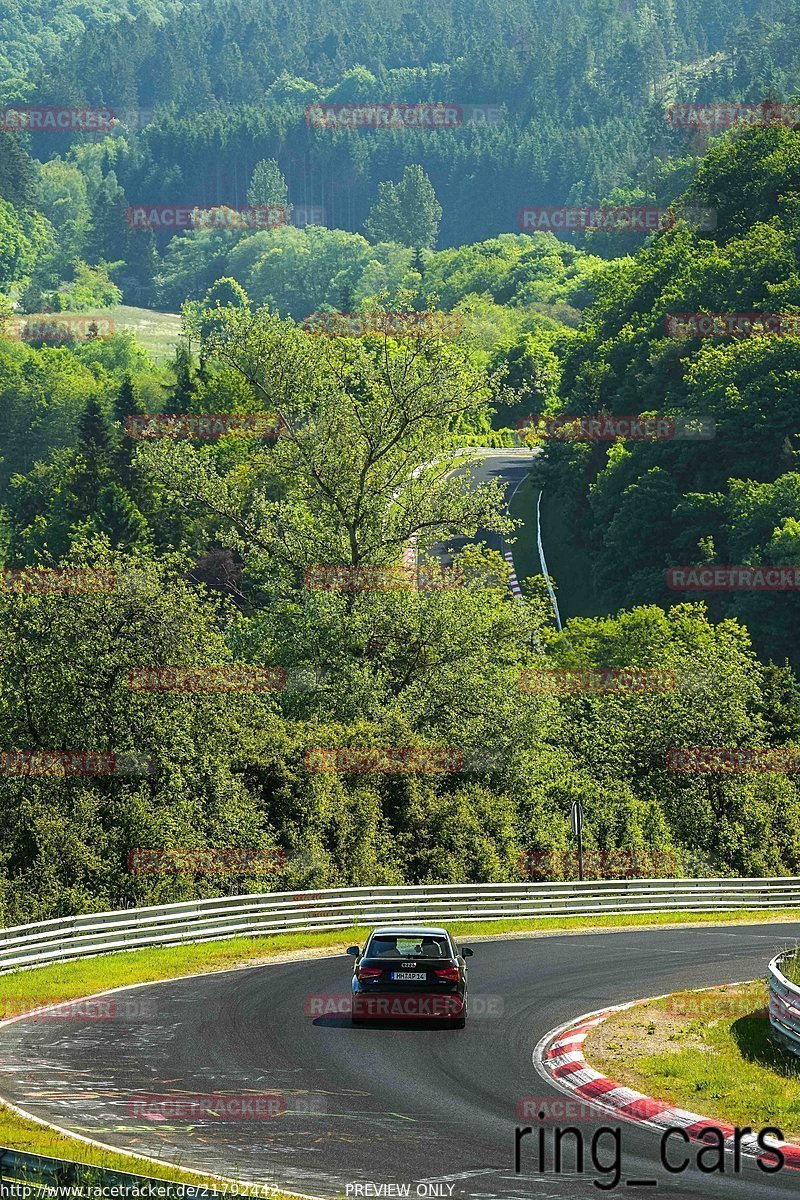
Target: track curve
{"type": "Point", "coordinates": [397, 1104]}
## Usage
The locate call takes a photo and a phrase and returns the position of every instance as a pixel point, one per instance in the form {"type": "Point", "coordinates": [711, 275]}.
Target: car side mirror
{"type": "Point", "coordinates": [353, 950]}
{"type": "Point", "coordinates": [466, 952]}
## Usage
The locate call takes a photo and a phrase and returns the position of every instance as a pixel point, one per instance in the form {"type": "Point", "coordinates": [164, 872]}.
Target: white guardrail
{"type": "Point", "coordinates": [784, 1003]}
{"type": "Point", "coordinates": [341, 908]}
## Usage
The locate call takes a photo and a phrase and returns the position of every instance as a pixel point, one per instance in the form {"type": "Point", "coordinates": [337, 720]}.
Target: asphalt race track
{"type": "Point", "coordinates": [395, 1104]}
{"type": "Point", "coordinates": [510, 468]}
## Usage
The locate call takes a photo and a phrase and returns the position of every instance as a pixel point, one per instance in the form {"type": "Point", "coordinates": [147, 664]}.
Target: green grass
{"type": "Point", "coordinates": [65, 981]}
{"type": "Point", "coordinates": [711, 1052]}
{"type": "Point", "coordinates": [158, 332]}
{"type": "Point", "coordinates": [791, 967]}
{"type": "Point", "coordinates": [569, 566]}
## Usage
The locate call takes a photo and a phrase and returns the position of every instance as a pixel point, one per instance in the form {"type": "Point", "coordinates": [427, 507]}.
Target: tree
{"type": "Point", "coordinates": [406, 212]}
{"type": "Point", "coordinates": [62, 198]}
{"type": "Point", "coordinates": [267, 185]}
{"type": "Point", "coordinates": [364, 461]}
{"type": "Point", "coordinates": [95, 440]}
{"type": "Point", "coordinates": [174, 782]}
{"type": "Point", "coordinates": [109, 227]}
{"type": "Point", "coordinates": [17, 173]}
{"type": "Point", "coordinates": [185, 389]}
{"type": "Point", "coordinates": [126, 404]}
{"type": "Point", "coordinates": [94, 430]}
{"type": "Point", "coordinates": [225, 292]}
{"type": "Point", "coordinates": [120, 519]}
{"type": "Point", "coordinates": [25, 238]}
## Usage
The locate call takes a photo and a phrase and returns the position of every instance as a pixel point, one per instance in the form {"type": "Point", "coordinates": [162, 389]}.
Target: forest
{"type": "Point", "coordinates": [202, 549]}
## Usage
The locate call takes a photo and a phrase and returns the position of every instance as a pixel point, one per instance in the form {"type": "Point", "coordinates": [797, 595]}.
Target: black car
{"type": "Point", "coordinates": [410, 973]}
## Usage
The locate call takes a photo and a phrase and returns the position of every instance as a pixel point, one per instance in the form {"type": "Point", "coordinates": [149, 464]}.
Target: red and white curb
{"type": "Point", "coordinates": [559, 1060]}
{"type": "Point", "coordinates": [513, 582]}
{"type": "Point", "coordinates": [409, 560]}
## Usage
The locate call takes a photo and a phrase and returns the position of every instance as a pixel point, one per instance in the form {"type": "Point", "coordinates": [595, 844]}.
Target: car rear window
{"type": "Point", "coordinates": [390, 946]}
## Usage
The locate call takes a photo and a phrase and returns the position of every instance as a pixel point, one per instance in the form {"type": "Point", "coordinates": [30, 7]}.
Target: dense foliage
{"type": "Point", "coordinates": [731, 500]}
{"type": "Point", "coordinates": [214, 544]}
{"type": "Point", "coordinates": [577, 93]}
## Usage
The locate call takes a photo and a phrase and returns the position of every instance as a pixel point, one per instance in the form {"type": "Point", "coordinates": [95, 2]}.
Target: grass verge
{"type": "Point", "coordinates": [19, 1134]}
{"type": "Point", "coordinates": [791, 967]}
{"type": "Point", "coordinates": [23, 990]}
{"type": "Point", "coordinates": [709, 1051]}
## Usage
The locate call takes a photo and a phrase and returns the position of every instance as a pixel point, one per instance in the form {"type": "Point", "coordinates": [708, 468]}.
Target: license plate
{"type": "Point", "coordinates": [408, 976]}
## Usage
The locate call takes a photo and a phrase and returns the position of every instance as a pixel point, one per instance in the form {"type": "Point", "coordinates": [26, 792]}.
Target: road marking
{"type": "Point", "coordinates": [460, 1175]}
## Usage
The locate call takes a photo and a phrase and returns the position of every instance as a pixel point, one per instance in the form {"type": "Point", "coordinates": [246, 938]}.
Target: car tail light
{"type": "Point", "coordinates": [369, 973]}
{"type": "Point", "coordinates": [448, 974]}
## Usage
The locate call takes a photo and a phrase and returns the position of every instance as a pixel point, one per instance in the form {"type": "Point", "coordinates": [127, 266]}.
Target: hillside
{"type": "Point", "coordinates": [575, 92]}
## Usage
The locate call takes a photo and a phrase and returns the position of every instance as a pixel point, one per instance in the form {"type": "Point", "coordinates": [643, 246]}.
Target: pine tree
{"type": "Point", "coordinates": [109, 232]}
{"type": "Point", "coordinates": [141, 264]}
{"type": "Point", "coordinates": [94, 430]}
{"type": "Point", "coordinates": [126, 405]}
{"type": "Point", "coordinates": [268, 186]}
{"type": "Point", "coordinates": [120, 518]}
{"type": "Point", "coordinates": [185, 390]}
{"type": "Point", "coordinates": [406, 212]}
{"type": "Point", "coordinates": [17, 173]}
{"type": "Point", "coordinates": [95, 442]}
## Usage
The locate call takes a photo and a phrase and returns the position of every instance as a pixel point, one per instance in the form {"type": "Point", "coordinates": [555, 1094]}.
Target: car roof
{"type": "Point", "coordinates": [416, 930]}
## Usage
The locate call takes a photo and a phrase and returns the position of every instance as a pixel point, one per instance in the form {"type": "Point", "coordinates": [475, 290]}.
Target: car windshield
{"type": "Point", "coordinates": [389, 945]}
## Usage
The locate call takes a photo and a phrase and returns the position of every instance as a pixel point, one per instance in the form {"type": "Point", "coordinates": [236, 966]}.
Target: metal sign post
{"type": "Point", "coordinates": [577, 829]}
